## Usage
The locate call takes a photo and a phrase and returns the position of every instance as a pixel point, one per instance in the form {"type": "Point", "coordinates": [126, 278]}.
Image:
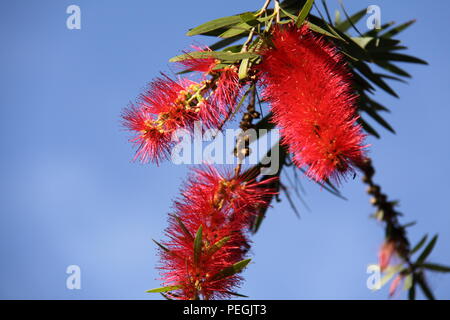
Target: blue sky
{"type": "Point", "coordinates": [70, 194]}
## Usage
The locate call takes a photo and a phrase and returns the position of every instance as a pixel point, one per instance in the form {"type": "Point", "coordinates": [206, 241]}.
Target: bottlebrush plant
{"type": "Point", "coordinates": [317, 82]}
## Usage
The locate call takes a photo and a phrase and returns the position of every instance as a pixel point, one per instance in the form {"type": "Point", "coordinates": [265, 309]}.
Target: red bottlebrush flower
{"type": "Point", "coordinates": [166, 106]}
{"type": "Point", "coordinates": [309, 88]}
{"type": "Point", "coordinates": [225, 80]}
{"type": "Point", "coordinates": [221, 204]}
{"type": "Point", "coordinates": [394, 285]}
{"type": "Point", "coordinates": [385, 254]}
{"type": "Point", "coordinates": [204, 65]}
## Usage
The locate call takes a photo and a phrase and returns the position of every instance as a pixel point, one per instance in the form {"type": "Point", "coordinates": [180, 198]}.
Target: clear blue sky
{"type": "Point", "coordinates": [69, 193]}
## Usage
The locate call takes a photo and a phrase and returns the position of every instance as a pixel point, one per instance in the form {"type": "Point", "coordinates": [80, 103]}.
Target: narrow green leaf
{"type": "Point", "coordinates": [198, 245]}
{"type": "Point", "coordinates": [379, 119]}
{"type": "Point", "coordinates": [163, 289]}
{"type": "Point", "coordinates": [387, 76]}
{"type": "Point", "coordinates": [393, 68]}
{"type": "Point", "coordinates": [214, 25]}
{"type": "Point", "coordinates": [226, 42]}
{"type": "Point", "coordinates": [425, 288]}
{"type": "Point", "coordinates": [337, 17]}
{"type": "Point", "coordinates": [236, 294]}
{"type": "Point", "coordinates": [398, 29]}
{"type": "Point", "coordinates": [349, 19]}
{"type": "Point", "coordinates": [249, 18]}
{"type": "Point", "coordinates": [368, 128]}
{"type": "Point", "coordinates": [229, 271]}
{"type": "Point", "coordinates": [318, 29]}
{"type": "Point", "coordinates": [161, 246]}
{"type": "Point", "coordinates": [419, 244]}
{"type": "Point", "coordinates": [165, 296]}
{"type": "Point", "coordinates": [221, 55]}
{"type": "Point", "coordinates": [408, 282]}
{"type": "Point", "coordinates": [345, 25]}
{"type": "Point", "coordinates": [390, 272]}
{"type": "Point", "coordinates": [426, 252]}
{"type": "Point", "coordinates": [435, 267]}
{"type": "Point", "coordinates": [368, 73]}
{"type": "Point", "coordinates": [235, 30]}
{"type": "Point", "coordinates": [409, 224]}
{"type": "Point", "coordinates": [243, 69]}
{"type": "Point", "coordinates": [183, 228]}
{"type": "Point", "coordinates": [304, 12]}
{"type": "Point", "coordinates": [412, 291]}
{"type": "Point", "coordinates": [219, 244]}
{"type": "Point", "coordinates": [327, 12]}
{"type": "Point", "coordinates": [390, 56]}
{"type": "Point", "coordinates": [362, 41]}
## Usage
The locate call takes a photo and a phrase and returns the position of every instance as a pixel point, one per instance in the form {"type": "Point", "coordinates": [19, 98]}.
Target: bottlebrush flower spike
{"type": "Point", "coordinates": [219, 205]}
{"type": "Point", "coordinates": [166, 106]}
{"type": "Point", "coordinates": [309, 88]}
{"type": "Point", "coordinates": [385, 254]}
{"type": "Point", "coordinates": [226, 87]}
{"type": "Point", "coordinates": [395, 284]}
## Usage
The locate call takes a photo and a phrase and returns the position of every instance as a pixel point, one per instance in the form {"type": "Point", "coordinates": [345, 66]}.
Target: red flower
{"type": "Point", "coordinates": [309, 88]}
{"type": "Point", "coordinates": [166, 106]}
{"type": "Point", "coordinates": [385, 254]}
{"type": "Point", "coordinates": [204, 65]}
{"type": "Point", "coordinates": [221, 205]}
{"type": "Point", "coordinates": [225, 80]}
{"type": "Point", "coordinates": [394, 285]}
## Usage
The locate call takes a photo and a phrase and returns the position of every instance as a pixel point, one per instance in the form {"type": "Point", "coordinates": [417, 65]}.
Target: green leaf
{"type": "Point", "coordinates": [183, 228]}
{"type": "Point", "coordinates": [390, 272]}
{"type": "Point", "coordinates": [435, 267]}
{"type": "Point", "coordinates": [426, 252]}
{"type": "Point", "coordinates": [368, 128]}
{"type": "Point", "coordinates": [368, 73]}
{"type": "Point", "coordinates": [304, 12]}
{"type": "Point", "coordinates": [398, 29]}
{"type": "Point", "coordinates": [409, 224]}
{"type": "Point", "coordinates": [393, 68]}
{"type": "Point", "coordinates": [163, 289]}
{"type": "Point", "coordinates": [379, 119]}
{"type": "Point", "coordinates": [288, 14]}
{"type": "Point", "coordinates": [236, 294]}
{"type": "Point", "coordinates": [362, 41]}
{"type": "Point", "coordinates": [408, 283]}
{"type": "Point", "coordinates": [389, 56]}
{"type": "Point", "coordinates": [161, 246]}
{"type": "Point", "coordinates": [236, 30]}
{"type": "Point", "coordinates": [243, 69]}
{"type": "Point", "coordinates": [318, 29]}
{"type": "Point", "coordinates": [219, 244]}
{"type": "Point", "coordinates": [231, 270]}
{"type": "Point", "coordinates": [249, 18]}
{"type": "Point", "coordinates": [337, 17]}
{"type": "Point", "coordinates": [221, 55]}
{"type": "Point", "coordinates": [424, 286]}
{"type": "Point", "coordinates": [226, 42]}
{"type": "Point", "coordinates": [165, 296]}
{"type": "Point", "coordinates": [345, 25]}
{"type": "Point", "coordinates": [419, 244]}
{"type": "Point", "coordinates": [198, 245]}
{"type": "Point", "coordinates": [214, 25]}
{"type": "Point", "coordinates": [412, 291]}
